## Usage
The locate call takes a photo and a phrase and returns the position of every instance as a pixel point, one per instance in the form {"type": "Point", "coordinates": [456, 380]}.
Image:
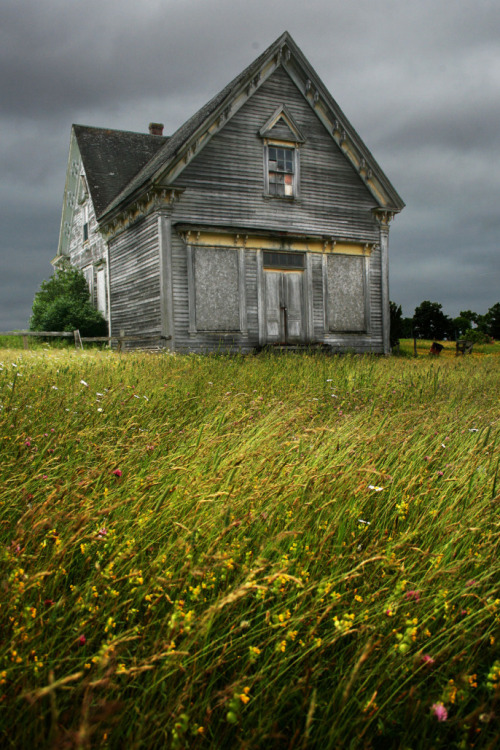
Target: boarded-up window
{"type": "Point", "coordinates": [346, 305]}
{"type": "Point", "coordinates": [216, 289]}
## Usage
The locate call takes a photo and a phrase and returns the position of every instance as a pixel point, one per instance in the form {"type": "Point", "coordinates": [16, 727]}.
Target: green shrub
{"type": "Point", "coordinates": [63, 304]}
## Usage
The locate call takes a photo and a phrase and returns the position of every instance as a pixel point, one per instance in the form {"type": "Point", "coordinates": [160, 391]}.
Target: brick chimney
{"type": "Point", "coordinates": [155, 128]}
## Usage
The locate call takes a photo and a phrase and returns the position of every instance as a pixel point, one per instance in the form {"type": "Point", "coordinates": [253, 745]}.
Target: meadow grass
{"type": "Point", "coordinates": [268, 551]}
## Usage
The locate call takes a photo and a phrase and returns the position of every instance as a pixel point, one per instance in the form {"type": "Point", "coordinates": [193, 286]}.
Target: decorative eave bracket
{"type": "Point", "coordinates": [384, 216]}
{"type": "Point", "coordinates": [155, 198]}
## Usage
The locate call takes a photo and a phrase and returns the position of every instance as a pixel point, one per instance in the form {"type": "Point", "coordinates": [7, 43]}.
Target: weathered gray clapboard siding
{"type": "Point", "coordinates": [203, 341]}
{"type": "Point", "coordinates": [180, 293]}
{"type": "Point", "coordinates": [318, 298]}
{"type": "Point", "coordinates": [83, 253]}
{"type": "Point", "coordinates": [251, 298]}
{"type": "Point", "coordinates": [225, 181]}
{"type": "Point", "coordinates": [135, 280]}
{"type": "Point", "coordinates": [376, 296]}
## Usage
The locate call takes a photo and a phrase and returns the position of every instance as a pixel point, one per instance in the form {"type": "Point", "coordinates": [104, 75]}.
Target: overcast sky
{"type": "Point", "coordinates": [418, 79]}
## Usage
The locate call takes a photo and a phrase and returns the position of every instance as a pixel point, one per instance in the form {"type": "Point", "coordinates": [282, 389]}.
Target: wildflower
{"type": "Point", "coordinates": [102, 532]}
{"type": "Point", "coordinates": [117, 473]}
{"type": "Point", "coordinates": [360, 520]}
{"type": "Point", "coordinates": [439, 711]}
{"type": "Point", "coordinates": [84, 383]}
{"type": "Point", "coordinates": [428, 660]}
{"type": "Point", "coordinates": [82, 640]}
{"type": "Point", "coordinates": [413, 595]}
{"type": "Point", "coordinates": [440, 473]}
{"type": "Point", "coordinates": [377, 489]}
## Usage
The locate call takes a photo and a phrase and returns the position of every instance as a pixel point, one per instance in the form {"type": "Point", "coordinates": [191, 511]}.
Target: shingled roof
{"type": "Point", "coordinates": [111, 159]}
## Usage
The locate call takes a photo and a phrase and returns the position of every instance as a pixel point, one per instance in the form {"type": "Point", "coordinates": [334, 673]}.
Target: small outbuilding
{"type": "Point", "coordinates": [263, 220]}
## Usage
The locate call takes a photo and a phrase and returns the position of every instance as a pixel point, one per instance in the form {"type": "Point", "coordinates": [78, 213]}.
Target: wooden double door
{"type": "Point", "coordinates": [284, 307]}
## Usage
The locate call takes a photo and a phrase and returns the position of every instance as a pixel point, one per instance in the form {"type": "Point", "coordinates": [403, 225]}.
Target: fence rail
{"type": "Point", "coordinates": [78, 339]}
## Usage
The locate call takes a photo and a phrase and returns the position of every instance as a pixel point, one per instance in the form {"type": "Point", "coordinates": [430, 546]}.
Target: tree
{"type": "Point", "coordinates": [430, 322]}
{"type": "Point", "coordinates": [492, 319]}
{"type": "Point", "coordinates": [396, 319]}
{"type": "Point", "coordinates": [63, 304]}
{"type": "Point", "coordinates": [474, 317]}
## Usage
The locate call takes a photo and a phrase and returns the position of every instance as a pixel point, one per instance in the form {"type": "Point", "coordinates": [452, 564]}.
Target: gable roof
{"type": "Point", "coordinates": [169, 160]}
{"type": "Point", "coordinates": [111, 158]}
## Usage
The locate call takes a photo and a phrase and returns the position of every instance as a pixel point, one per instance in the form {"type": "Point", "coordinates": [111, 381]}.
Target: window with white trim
{"type": "Point", "coordinates": [281, 170]}
{"type": "Point", "coordinates": [282, 140]}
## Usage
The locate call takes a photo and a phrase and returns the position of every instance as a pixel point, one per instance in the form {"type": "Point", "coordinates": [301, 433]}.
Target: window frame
{"type": "Point", "coordinates": [85, 222]}
{"type": "Point", "coordinates": [290, 146]}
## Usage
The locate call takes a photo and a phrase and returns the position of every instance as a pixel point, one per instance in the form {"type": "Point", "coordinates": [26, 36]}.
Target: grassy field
{"type": "Point", "coordinates": [260, 552]}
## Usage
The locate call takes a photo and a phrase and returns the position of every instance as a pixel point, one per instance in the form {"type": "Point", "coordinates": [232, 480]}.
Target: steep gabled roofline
{"type": "Point", "coordinates": [190, 138]}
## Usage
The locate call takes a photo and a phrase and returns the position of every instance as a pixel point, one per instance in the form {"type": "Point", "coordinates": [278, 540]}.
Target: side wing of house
{"type": "Point", "coordinates": [80, 242]}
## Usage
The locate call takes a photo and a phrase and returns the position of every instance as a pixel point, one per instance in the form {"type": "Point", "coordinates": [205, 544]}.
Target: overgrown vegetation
{"type": "Point", "coordinates": [259, 552]}
{"type": "Point", "coordinates": [63, 304]}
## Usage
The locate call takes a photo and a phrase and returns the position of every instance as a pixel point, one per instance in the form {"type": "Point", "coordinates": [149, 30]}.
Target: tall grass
{"type": "Point", "coordinates": [270, 551]}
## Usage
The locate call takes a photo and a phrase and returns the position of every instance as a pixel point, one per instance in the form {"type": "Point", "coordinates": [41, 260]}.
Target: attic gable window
{"type": "Point", "coordinates": [282, 140]}
{"type": "Point", "coordinates": [281, 171]}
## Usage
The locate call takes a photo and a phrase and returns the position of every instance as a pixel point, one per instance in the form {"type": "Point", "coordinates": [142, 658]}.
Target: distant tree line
{"type": "Point", "coordinates": [430, 322]}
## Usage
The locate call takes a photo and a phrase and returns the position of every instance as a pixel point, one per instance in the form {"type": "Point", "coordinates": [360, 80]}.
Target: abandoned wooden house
{"type": "Point", "coordinates": [263, 220]}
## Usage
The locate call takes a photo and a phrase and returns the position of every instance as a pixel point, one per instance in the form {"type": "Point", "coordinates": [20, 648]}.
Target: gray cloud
{"type": "Point", "coordinates": [419, 81]}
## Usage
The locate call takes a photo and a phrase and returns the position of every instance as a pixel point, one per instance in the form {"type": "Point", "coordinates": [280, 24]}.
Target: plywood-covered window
{"type": "Point", "coordinates": [346, 304]}
{"type": "Point", "coordinates": [216, 289]}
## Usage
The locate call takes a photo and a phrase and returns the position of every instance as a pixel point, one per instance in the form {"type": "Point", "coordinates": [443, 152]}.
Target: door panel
{"type": "Point", "coordinates": [284, 307]}
{"type": "Point", "coordinates": [273, 290]}
{"type": "Point", "coordinates": [293, 288]}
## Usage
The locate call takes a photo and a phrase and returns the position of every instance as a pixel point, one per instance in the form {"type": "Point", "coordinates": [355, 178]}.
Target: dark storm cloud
{"type": "Point", "coordinates": [418, 80]}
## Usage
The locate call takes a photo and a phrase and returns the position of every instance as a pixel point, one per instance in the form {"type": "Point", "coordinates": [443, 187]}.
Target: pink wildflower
{"type": "Point", "coordinates": [428, 660]}
{"type": "Point", "coordinates": [439, 711]}
{"type": "Point", "coordinates": [82, 640]}
{"type": "Point", "coordinates": [102, 532]}
{"type": "Point", "coordinates": [117, 473]}
{"type": "Point", "coordinates": [412, 595]}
